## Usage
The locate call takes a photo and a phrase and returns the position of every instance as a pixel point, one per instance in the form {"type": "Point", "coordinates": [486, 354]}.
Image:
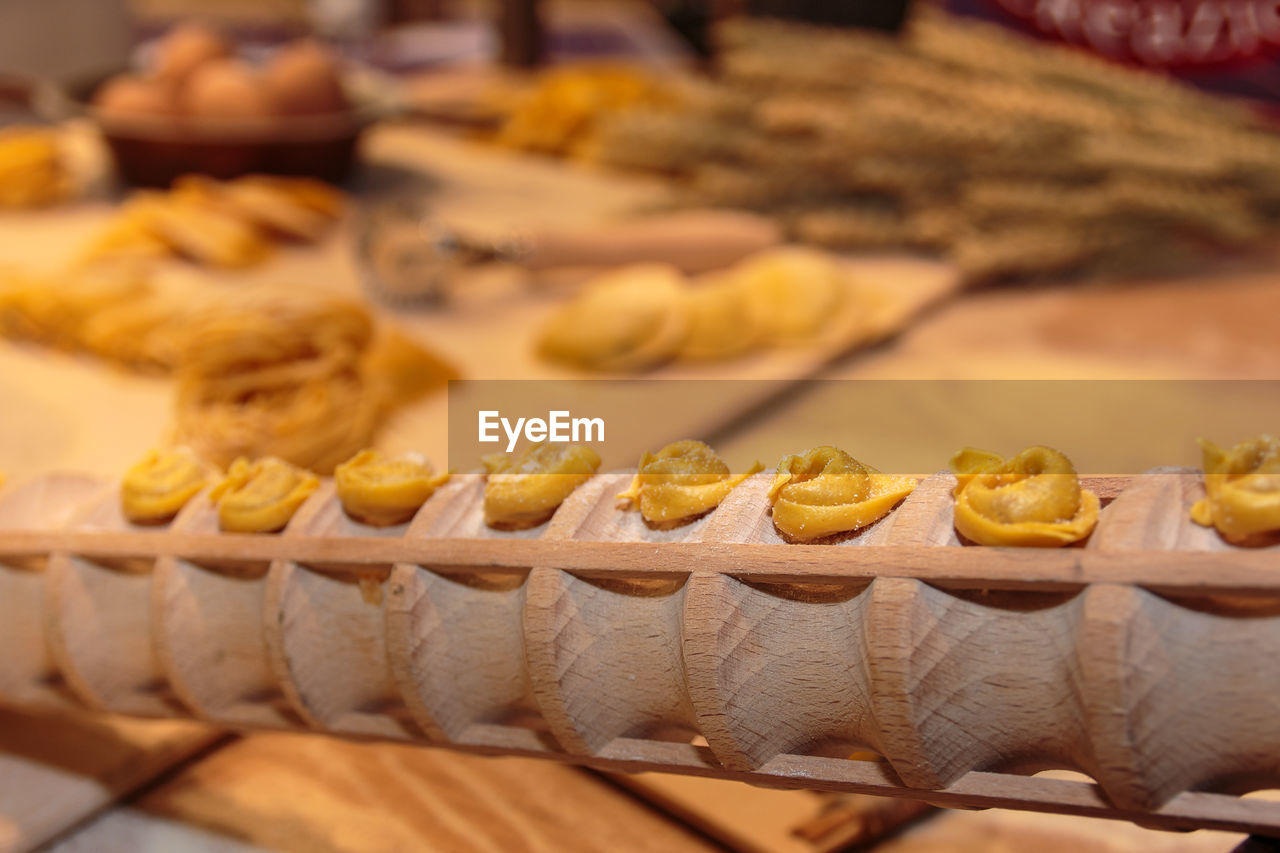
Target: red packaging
{"type": "Point", "coordinates": [1229, 46]}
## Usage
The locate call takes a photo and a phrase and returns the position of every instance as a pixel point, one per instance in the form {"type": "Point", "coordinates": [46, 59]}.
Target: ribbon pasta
{"type": "Point", "coordinates": [300, 374]}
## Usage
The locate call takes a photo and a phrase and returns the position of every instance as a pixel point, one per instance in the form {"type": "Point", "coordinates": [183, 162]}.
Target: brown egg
{"type": "Point", "coordinates": [227, 88]}
{"type": "Point", "coordinates": [304, 78]}
{"type": "Point", "coordinates": [186, 48]}
{"type": "Point", "coordinates": [128, 95]}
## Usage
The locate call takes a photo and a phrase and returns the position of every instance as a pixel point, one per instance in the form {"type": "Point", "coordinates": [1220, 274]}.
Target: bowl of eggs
{"type": "Point", "coordinates": [198, 107]}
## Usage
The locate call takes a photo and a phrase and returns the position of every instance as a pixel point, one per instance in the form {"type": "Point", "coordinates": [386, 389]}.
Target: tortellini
{"type": "Point", "coordinates": [524, 491]}
{"type": "Point", "coordinates": [382, 492]}
{"type": "Point", "coordinates": [1033, 499]}
{"type": "Point", "coordinates": [1243, 488]}
{"type": "Point", "coordinates": [160, 484]}
{"type": "Point", "coordinates": [261, 496]}
{"type": "Point", "coordinates": [627, 320]}
{"type": "Point", "coordinates": [825, 491]}
{"type": "Point", "coordinates": [679, 483]}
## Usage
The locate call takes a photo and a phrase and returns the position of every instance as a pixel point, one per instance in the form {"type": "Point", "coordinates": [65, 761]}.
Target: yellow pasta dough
{"type": "Point", "coordinates": [144, 334]}
{"type": "Point", "coordinates": [566, 107]}
{"type": "Point", "coordinates": [32, 171]}
{"type": "Point", "coordinates": [226, 224]}
{"type": "Point", "coordinates": [1243, 488]}
{"type": "Point", "coordinates": [826, 491]}
{"type": "Point", "coordinates": [293, 374]}
{"type": "Point", "coordinates": [274, 371]}
{"type": "Point", "coordinates": [160, 484]}
{"type": "Point", "coordinates": [721, 324]}
{"type": "Point", "coordinates": [792, 293]}
{"type": "Point", "coordinates": [381, 491]}
{"type": "Point", "coordinates": [1032, 499]}
{"type": "Point", "coordinates": [261, 496]}
{"type": "Point", "coordinates": [680, 482]}
{"type": "Point", "coordinates": [196, 231]}
{"type": "Point", "coordinates": [626, 320]}
{"type": "Point", "coordinates": [58, 311]}
{"type": "Point", "coordinates": [270, 326]}
{"type": "Point", "coordinates": [397, 369]}
{"type": "Point", "coordinates": [261, 201]}
{"type": "Point", "coordinates": [525, 490]}
{"type": "Point", "coordinates": [126, 237]}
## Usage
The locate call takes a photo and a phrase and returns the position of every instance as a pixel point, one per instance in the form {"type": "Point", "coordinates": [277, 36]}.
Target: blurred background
{"type": "Point", "coordinates": [282, 227]}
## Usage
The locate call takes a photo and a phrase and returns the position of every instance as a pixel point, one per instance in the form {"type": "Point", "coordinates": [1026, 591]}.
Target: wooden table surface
{"type": "Point", "coordinates": [198, 790]}
{"type": "Point", "coordinates": [295, 792]}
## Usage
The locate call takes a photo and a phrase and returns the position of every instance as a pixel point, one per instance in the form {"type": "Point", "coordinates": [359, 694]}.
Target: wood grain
{"type": "Point", "coordinates": [960, 666]}
{"type": "Point", "coordinates": [57, 770]}
{"type": "Point", "coordinates": [325, 635]}
{"type": "Point", "coordinates": [28, 673]}
{"type": "Point", "coordinates": [99, 620]}
{"type": "Point", "coordinates": [605, 654]}
{"type": "Point", "coordinates": [210, 631]}
{"type": "Point", "coordinates": [760, 820]}
{"type": "Point", "coordinates": [268, 789]}
{"type": "Point", "coordinates": [455, 639]}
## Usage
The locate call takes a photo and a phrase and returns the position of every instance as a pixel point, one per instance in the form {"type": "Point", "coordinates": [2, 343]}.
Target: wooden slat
{"type": "Point", "coordinates": [291, 792]}
{"type": "Point", "coordinates": [1241, 572]}
{"type": "Point", "coordinates": [976, 789]}
{"type": "Point", "coordinates": [58, 770]}
{"type": "Point", "coordinates": [126, 828]}
{"type": "Point", "coordinates": [759, 820]}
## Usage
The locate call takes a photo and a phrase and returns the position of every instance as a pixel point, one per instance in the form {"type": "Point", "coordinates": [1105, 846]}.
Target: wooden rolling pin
{"type": "Point", "coordinates": [405, 255]}
{"type": "Point", "coordinates": [1143, 659]}
{"type": "Point", "coordinates": [694, 241]}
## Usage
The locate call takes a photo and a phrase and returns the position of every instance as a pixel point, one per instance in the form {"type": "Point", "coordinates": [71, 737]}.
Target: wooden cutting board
{"type": "Point", "coordinates": [58, 770]}
{"type": "Point", "coordinates": [75, 413]}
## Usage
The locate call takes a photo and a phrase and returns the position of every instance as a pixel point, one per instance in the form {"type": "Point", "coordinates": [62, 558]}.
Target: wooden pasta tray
{"type": "Point", "coordinates": [1141, 658]}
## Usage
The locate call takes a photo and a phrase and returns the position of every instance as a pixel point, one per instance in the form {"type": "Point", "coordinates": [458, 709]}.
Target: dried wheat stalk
{"type": "Point", "coordinates": [1009, 156]}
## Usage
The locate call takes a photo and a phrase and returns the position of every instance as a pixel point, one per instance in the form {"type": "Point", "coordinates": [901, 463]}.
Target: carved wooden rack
{"type": "Point", "coordinates": [1145, 659]}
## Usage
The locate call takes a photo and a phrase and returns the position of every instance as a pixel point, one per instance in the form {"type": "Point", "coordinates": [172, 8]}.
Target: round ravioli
{"type": "Point", "coordinates": [624, 321]}
{"type": "Point", "coordinates": [792, 293]}
{"type": "Point", "coordinates": [721, 323]}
